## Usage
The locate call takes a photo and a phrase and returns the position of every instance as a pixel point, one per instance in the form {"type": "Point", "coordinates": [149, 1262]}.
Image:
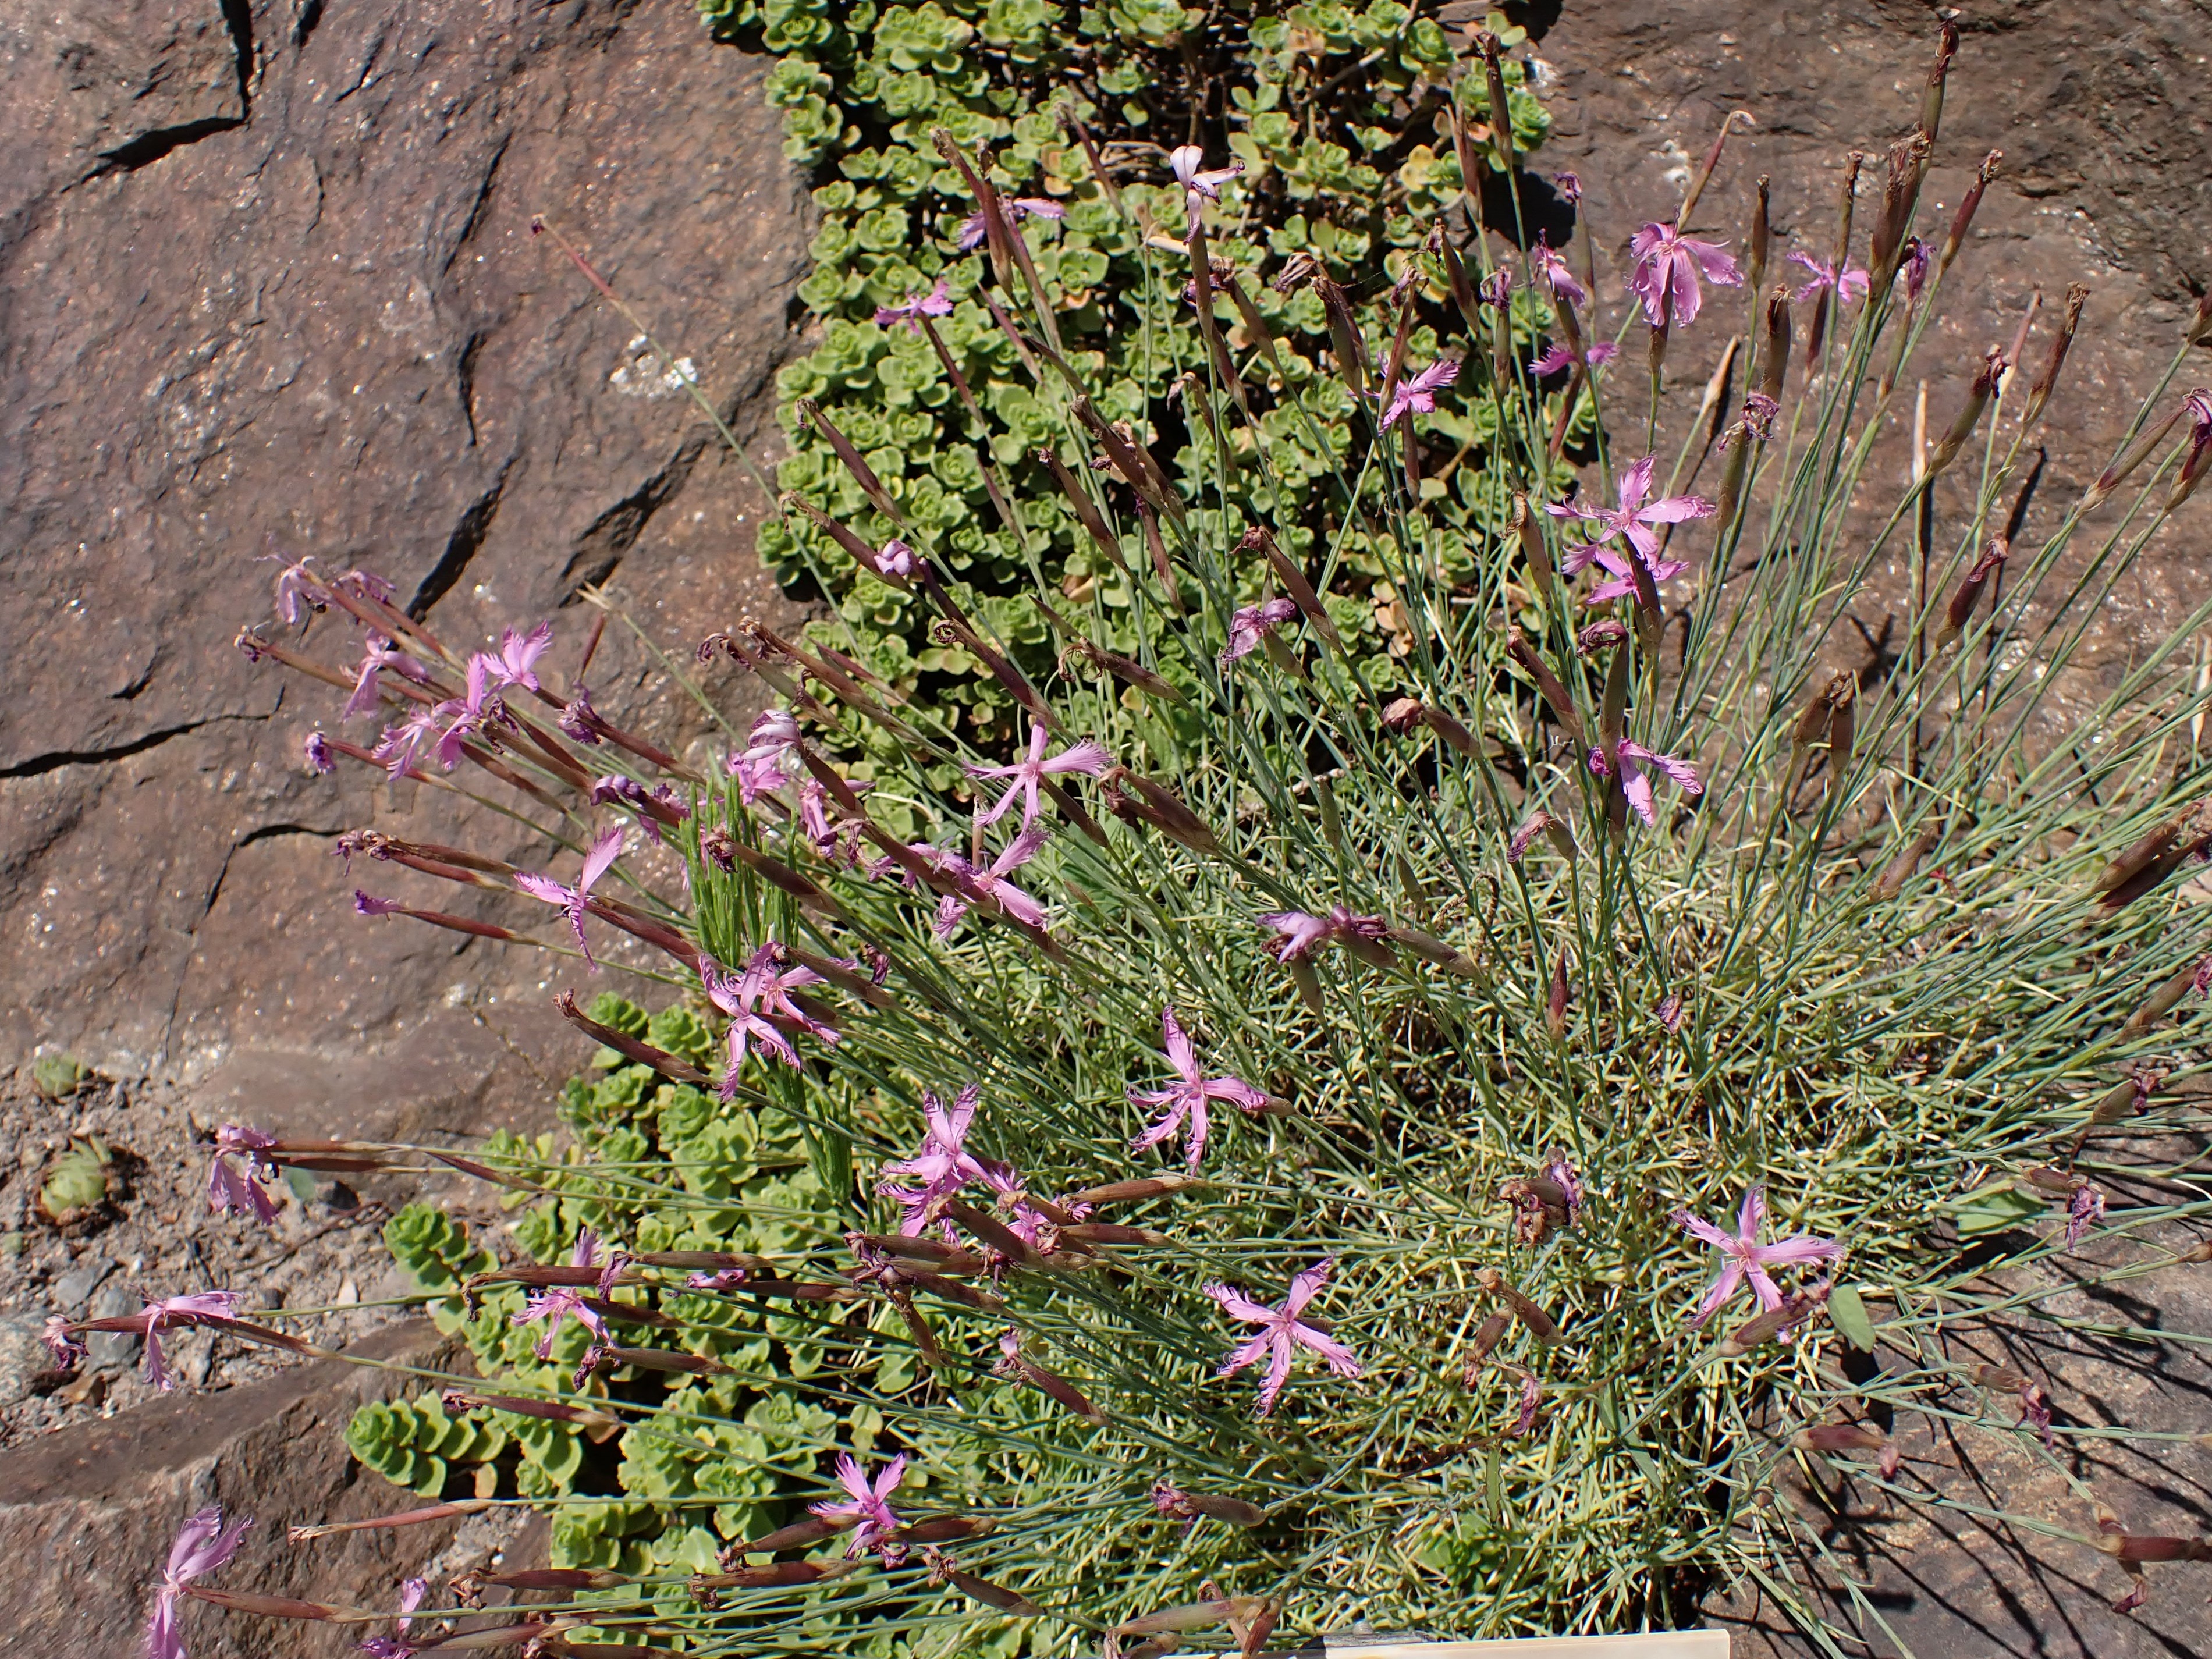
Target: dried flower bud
{"type": "Point", "coordinates": [1963, 220]}
{"type": "Point", "coordinates": [1960, 609]}
{"type": "Point", "coordinates": [1931, 101]}
{"type": "Point", "coordinates": [1349, 345]}
{"type": "Point", "coordinates": [2039, 394]}
{"type": "Point", "coordinates": [1599, 637]}
{"type": "Point", "coordinates": [1978, 399]}
{"type": "Point", "coordinates": [1900, 869]}
{"type": "Point", "coordinates": [1795, 1311]}
{"type": "Point", "coordinates": [1156, 805]}
{"type": "Point", "coordinates": [1486, 1337]}
{"type": "Point", "coordinates": [1908, 161]}
{"type": "Point", "coordinates": [1555, 693]}
{"type": "Point", "coordinates": [1541, 1325]}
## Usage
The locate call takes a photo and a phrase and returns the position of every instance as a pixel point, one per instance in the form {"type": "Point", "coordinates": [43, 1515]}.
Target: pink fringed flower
{"type": "Point", "coordinates": [1637, 764]}
{"type": "Point", "coordinates": [760, 1003]}
{"type": "Point", "coordinates": [973, 232]}
{"type": "Point", "coordinates": [943, 1164]}
{"type": "Point", "coordinates": [1745, 1259]}
{"type": "Point", "coordinates": [1668, 264]}
{"type": "Point", "coordinates": [203, 1544]}
{"type": "Point", "coordinates": [1281, 1334]}
{"type": "Point", "coordinates": [576, 900]}
{"type": "Point", "coordinates": [1200, 183]}
{"type": "Point", "coordinates": [1186, 1098]}
{"type": "Point", "coordinates": [232, 1190]}
{"type": "Point", "coordinates": [558, 1303]}
{"type": "Point", "coordinates": [397, 1646]}
{"type": "Point", "coordinates": [1418, 395]}
{"type": "Point", "coordinates": [517, 661]}
{"type": "Point", "coordinates": [992, 884]}
{"type": "Point", "coordinates": [870, 1506]}
{"type": "Point", "coordinates": [1027, 776]}
{"type": "Point", "coordinates": [397, 745]}
{"type": "Point", "coordinates": [1300, 934]}
{"type": "Point", "coordinates": [1847, 285]}
{"type": "Point", "coordinates": [771, 758]}
{"type": "Point", "coordinates": [935, 303]}
{"type": "Point", "coordinates": [1253, 623]}
{"type": "Point", "coordinates": [1632, 518]}
{"type": "Point", "coordinates": [1548, 265]}
{"type": "Point", "coordinates": [1558, 355]}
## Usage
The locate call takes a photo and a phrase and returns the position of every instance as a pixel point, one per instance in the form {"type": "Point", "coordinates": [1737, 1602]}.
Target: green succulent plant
{"type": "Point", "coordinates": [79, 1183]}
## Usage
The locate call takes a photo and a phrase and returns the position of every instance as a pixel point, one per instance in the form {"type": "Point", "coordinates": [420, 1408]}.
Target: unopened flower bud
{"type": "Point", "coordinates": [1774, 349]}
{"type": "Point", "coordinates": [1554, 693]}
{"type": "Point", "coordinates": [2131, 458]}
{"type": "Point", "coordinates": [1555, 1004]}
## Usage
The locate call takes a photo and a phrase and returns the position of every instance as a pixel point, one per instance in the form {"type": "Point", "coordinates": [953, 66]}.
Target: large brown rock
{"type": "Point", "coordinates": [94, 1508]}
{"type": "Point", "coordinates": [267, 286]}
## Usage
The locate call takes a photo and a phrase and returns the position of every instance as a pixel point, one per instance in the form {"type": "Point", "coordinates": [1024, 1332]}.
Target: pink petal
{"type": "Point", "coordinates": [1636, 483]}
{"type": "Point", "coordinates": [1245, 1353]}
{"type": "Point", "coordinates": [1715, 261]}
{"type": "Point", "coordinates": [1675, 508]}
{"type": "Point", "coordinates": [1788, 1251]}
{"type": "Point", "coordinates": [887, 1482]}
{"type": "Point", "coordinates": [1770, 1298]}
{"type": "Point", "coordinates": [1341, 1360]}
{"type": "Point", "coordinates": [1088, 757]}
{"type": "Point", "coordinates": [1719, 1293]}
{"type": "Point", "coordinates": [1235, 1091]}
{"type": "Point", "coordinates": [1307, 1285]}
{"type": "Point", "coordinates": [1703, 1230]}
{"type": "Point", "coordinates": [1752, 1215]}
{"type": "Point", "coordinates": [604, 851]}
{"type": "Point", "coordinates": [1018, 905]}
{"type": "Point", "coordinates": [1237, 1305]}
{"type": "Point", "coordinates": [1576, 559]}
{"type": "Point", "coordinates": [1682, 286]}
{"type": "Point", "coordinates": [1636, 784]}
{"type": "Point", "coordinates": [1278, 1372]}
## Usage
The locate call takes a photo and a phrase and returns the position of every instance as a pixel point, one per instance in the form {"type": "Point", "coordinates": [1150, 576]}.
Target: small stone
{"type": "Point", "coordinates": [23, 1357]}
{"type": "Point", "coordinates": [75, 1288]}
{"type": "Point", "coordinates": [11, 1245]}
{"type": "Point", "coordinates": [111, 1350]}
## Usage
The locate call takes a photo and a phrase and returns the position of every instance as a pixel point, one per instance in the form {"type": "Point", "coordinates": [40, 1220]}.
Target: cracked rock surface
{"type": "Point", "coordinates": [267, 285]}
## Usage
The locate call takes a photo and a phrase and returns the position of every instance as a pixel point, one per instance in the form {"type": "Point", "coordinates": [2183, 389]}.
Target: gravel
{"type": "Point", "coordinates": [156, 1237]}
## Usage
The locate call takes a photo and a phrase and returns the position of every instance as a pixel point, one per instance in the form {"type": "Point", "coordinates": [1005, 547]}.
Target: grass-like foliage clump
{"type": "Point", "coordinates": [1294, 1138]}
